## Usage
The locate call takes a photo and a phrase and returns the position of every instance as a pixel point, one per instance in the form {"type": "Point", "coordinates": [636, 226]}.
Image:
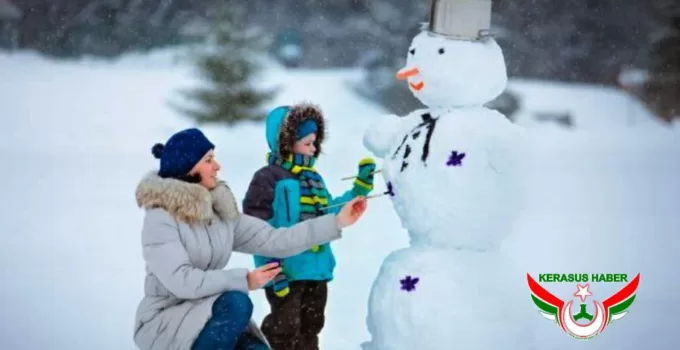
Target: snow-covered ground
{"type": "Point", "coordinates": [75, 138]}
{"type": "Point", "coordinates": [590, 107]}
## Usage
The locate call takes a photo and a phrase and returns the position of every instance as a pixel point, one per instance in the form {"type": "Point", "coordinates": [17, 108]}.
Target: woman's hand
{"type": "Point", "coordinates": [351, 212]}
{"type": "Point", "coordinates": [260, 276]}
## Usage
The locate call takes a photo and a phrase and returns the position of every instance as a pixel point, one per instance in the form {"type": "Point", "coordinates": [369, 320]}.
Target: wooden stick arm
{"type": "Point", "coordinates": [354, 177]}
{"type": "Point", "coordinates": [343, 203]}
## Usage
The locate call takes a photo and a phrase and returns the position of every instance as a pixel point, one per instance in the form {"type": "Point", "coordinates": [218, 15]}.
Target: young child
{"type": "Point", "coordinates": [288, 190]}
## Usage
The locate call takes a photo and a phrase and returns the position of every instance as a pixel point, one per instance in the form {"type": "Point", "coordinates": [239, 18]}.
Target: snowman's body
{"type": "Point", "coordinates": [451, 168]}
{"type": "Point", "coordinates": [451, 171]}
{"type": "Point", "coordinates": [463, 300]}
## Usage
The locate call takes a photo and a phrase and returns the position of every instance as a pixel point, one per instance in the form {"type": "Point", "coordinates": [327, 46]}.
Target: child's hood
{"type": "Point", "coordinates": [282, 124]}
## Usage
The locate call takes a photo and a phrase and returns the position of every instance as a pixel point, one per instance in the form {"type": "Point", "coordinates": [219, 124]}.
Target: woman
{"type": "Point", "coordinates": [191, 226]}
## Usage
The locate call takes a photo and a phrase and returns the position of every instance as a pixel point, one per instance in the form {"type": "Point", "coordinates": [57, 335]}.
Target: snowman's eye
{"type": "Point", "coordinates": [441, 51]}
{"type": "Point", "coordinates": [412, 51]}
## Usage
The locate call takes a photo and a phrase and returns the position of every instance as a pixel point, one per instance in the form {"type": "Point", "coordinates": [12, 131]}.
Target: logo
{"type": "Point", "coordinates": [583, 325]}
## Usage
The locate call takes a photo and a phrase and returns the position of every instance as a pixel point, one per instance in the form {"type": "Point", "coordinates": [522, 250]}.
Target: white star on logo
{"type": "Point", "coordinates": [583, 292]}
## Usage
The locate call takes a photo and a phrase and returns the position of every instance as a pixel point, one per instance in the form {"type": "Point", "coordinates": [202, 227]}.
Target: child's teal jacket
{"type": "Point", "coordinates": [274, 195]}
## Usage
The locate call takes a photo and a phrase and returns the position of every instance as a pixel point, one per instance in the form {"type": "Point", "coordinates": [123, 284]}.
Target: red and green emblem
{"type": "Point", "coordinates": [556, 310]}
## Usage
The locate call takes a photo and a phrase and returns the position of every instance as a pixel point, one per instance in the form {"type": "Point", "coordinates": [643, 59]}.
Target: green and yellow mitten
{"type": "Point", "coordinates": [363, 184]}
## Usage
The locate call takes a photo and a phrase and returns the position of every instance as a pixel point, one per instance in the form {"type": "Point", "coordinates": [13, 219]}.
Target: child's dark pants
{"type": "Point", "coordinates": [297, 319]}
{"type": "Point", "coordinates": [226, 329]}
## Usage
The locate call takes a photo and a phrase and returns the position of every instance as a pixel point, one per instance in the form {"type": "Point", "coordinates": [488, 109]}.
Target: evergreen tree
{"type": "Point", "coordinates": [228, 63]}
{"type": "Point", "coordinates": [663, 85]}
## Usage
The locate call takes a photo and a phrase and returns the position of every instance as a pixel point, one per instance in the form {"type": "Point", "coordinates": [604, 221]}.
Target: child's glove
{"type": "Point", "coordinates": [280, 284]}
{"type": "Point", "coordinates": [363, 184]}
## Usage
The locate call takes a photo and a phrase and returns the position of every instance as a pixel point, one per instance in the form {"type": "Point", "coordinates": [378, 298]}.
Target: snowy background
{"type": "Point", "coordinates": [75, 139]}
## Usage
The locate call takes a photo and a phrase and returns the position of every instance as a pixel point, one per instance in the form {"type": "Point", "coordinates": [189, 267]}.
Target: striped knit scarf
{"type": "Point", "coordinates": [313, 194]}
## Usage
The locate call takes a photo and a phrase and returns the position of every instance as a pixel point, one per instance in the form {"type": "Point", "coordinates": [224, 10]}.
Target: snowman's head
{"type": "Point", "coordinates": [443, 72]}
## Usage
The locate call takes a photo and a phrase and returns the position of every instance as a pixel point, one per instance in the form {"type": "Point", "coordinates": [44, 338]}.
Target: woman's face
{"type": "Point", "coordinates": [207, 168]}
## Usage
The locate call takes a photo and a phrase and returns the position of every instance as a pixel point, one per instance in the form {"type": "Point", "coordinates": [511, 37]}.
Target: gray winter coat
{"type": "Point", "coordinates": [188, 236]}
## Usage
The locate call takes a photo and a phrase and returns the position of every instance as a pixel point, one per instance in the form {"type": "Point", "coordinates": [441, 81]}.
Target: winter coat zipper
{"type": "Point", "coordinates": [285, 193]}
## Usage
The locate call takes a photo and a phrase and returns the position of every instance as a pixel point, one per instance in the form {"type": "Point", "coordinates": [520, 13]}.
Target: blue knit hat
{"type": "Point", "coordinates": [307, 127]}
{"type": "Point", "coordinates": [182, 152]}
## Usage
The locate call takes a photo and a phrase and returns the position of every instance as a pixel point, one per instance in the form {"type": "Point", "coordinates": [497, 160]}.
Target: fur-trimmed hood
{"type": "Point", "coordinates": [283, 122]}
{"type": "Point", "coordinates": [185, 201]}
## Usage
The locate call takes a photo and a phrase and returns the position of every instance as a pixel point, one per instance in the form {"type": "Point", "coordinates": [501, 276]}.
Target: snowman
{"type": "Point", "coordinates": [451, 172]}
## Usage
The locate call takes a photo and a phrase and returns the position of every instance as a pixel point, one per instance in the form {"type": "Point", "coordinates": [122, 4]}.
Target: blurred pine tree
{"type": "Point", "coordinates": [228, 63]}
{"type": "Point", "coordinates": [662, 88]}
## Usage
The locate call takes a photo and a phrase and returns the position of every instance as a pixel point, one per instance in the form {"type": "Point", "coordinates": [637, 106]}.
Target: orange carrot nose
{"type": "Point", "coordinates": [406, 73]}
